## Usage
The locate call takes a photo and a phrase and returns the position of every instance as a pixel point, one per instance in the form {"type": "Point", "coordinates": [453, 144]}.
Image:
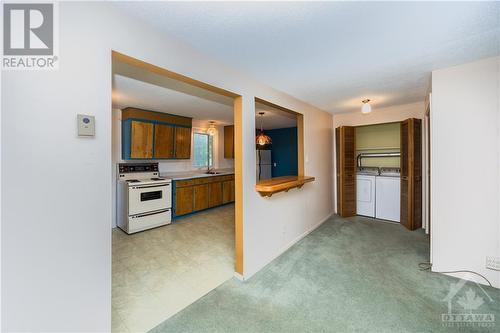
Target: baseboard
{"type": "Point", "coordinates": [286, 247]}
{"type": "Point", "coordinates": [239, 276]}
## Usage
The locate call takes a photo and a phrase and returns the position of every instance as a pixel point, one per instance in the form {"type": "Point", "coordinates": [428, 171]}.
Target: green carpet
{"type": "Point", "coordinates": [349, 275]}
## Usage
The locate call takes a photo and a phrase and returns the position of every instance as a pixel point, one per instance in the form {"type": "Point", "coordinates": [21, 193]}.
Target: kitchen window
{"type": "Point", "coordinates": [203, 150]}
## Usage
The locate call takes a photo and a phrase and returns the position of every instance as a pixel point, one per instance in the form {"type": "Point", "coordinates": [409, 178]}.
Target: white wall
{"type": "Point", "coordinates": [164, 165]}
{"type": "Point", "coordinates": [465, 180]}
{"type": "Point", "coordinates": [377, 116]}
{"type": "Point", "coordinates": [57, 188]}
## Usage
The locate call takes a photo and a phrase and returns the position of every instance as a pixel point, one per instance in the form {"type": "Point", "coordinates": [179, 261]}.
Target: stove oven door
{"type": "Point", "coordinates": [148, 198]}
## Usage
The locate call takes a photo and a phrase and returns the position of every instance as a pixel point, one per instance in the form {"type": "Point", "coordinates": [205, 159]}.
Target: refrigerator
{"type": "Point", "coordinates": [264, 164]}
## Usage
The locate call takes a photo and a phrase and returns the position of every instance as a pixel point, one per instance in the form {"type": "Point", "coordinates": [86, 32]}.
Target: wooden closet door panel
{"type": "Point", "coordinates": [405, 183]}
{"type": "Point", "coordinates": [346, 171]}
{"type": "Point", "coordinates": [411, 173]}
{"type": "Point", "coordinates": [141, 141]}
{"type": "Point", "coordinates": [182, 142]}
{"type": "Point", "coordinates": [338, 169]}
{"type": "Point", "coordinates": [417, 174]}
{"type": "Point", "coordinates": [164, 141]}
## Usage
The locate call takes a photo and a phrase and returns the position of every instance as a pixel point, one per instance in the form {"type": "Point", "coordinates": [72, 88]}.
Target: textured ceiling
{"type": "Point", "coordinates": [334, 54]}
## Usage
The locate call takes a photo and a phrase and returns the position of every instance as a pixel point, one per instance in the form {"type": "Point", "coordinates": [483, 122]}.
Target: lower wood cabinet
{"type": "Point", "coordinates": [184, 200]}
{"type": "Point", "coordinates": [215, 194]}
{"type": "Point", "coordinates": [200, 197]}
{"type": "Point", "coordinates": [227, 191]}
{"type": "Point", "coordinates": [192, 195]}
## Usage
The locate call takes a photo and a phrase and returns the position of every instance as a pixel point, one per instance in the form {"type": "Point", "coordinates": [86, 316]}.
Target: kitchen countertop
{"type": "Point", "coordinates": [195, 174]}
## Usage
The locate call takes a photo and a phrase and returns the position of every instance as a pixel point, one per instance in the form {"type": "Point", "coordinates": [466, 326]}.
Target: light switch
{"type": "Point", "coordinates": [86, 125]}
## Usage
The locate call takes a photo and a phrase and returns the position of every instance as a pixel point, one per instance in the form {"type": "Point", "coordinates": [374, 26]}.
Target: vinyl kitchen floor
{"type": "Point", "coordinates": [157, 273]}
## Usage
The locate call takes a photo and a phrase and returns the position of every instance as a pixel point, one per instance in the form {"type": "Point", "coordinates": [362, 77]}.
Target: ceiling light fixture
{"type": "Point", "coordinates": [366, 108]}
{"type": "Point", "coordinates": [211, 129]}
{"type": "Point", "coordinates": [262, 140]}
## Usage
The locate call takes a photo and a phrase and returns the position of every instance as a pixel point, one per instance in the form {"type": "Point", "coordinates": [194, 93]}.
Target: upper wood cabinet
{"type": "Point", "coordinates": [155, 135]}
{"type": "Point", "coordinates": [345, 148]}
{"type": "Point", "coordinates": [141, 139]}
{"type": "Point", "coordinates": [411, 173]}
{"type": "Point", "coordinates": [229, 141]}
{"type": "Point", "coordinates": [164, 141]}
{"type": "Point", "coordinates": [182, 142]}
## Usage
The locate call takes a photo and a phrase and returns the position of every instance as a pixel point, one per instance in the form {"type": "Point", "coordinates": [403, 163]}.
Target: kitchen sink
{"type": "Point", "coordinates": [213, 173]}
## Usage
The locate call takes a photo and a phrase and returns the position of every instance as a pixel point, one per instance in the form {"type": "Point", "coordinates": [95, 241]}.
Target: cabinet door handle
{"type": "Point", "coordinates": [404, 177]}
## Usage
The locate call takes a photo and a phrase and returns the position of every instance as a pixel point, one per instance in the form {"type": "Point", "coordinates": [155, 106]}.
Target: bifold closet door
{"type": "Point", "coordinates": [411, 173]}
{"type": "Point", "coordinates": [345, 144]}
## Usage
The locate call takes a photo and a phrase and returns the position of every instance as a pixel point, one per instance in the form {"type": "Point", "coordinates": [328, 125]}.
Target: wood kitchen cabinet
{"type": "Point", "coordinates": [229, 141]}
{"type": "Point", "coordinates": [411, 173]}
{"type": "Point", "coordinates": [164, 141]}
{"type": "Point", "coordinates": [141, 139]}
{"type": "Point", "coordinates": [182, 142]}
{"type": "Point", "coordinates": [196, 194]}
{"type": "Point", "coordinates": [200, 197]}
{"type": "Point", "coordinates": [215, 194]}
{"type": "Point", "coordinates": [184, 200]}
{"type": "Point", "coordinates": [155, 135]}
{"type": "Point", "coordinates": [345, 150]}
{"type": "Point", "coordinates": [227, 191]}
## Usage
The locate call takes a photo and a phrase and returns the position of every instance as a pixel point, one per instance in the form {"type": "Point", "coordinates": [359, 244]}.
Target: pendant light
{"type": "Point", "coordinates": [366, 108]}
{"type": "Point", "coordinates": [211, 129]}
{"type": "Point", "coordinates": [262, 140]}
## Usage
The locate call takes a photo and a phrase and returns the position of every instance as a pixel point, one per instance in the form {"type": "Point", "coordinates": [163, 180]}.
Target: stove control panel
{"type": "Point", "coordinates": [137, 167]}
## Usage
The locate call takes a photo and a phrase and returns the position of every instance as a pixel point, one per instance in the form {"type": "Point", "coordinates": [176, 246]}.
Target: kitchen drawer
{"type": "Point", "coordinates": [184, 183]}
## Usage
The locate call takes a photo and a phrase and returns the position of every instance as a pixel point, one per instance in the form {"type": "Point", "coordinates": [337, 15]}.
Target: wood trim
{"type": "Point", "coordinates": [276, 106]}
{"type": "Point", "coordinates": [300, 132]}
{"type": "Point", "coordinates": [268, 187]}
{"type": "Point", "coordinates": [238, 183]}
{"type": "Point", "coordinates": [172, 75]}
{"type": "Point", "coordinates": [137, 113]}
{"type": "Point", "coordinates": [300, 145]}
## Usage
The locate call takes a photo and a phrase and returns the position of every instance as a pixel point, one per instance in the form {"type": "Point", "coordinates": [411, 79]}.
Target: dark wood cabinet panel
{"type": "Point", "coordinates": [228, 191]}
{"type": "Point", "coordinates": [345, 144]}
{"type": "Point", "coordinates": [411, 173]}
{"type": "Point", "coordinates": [183, 142]}
{"type": "Point", "coordinates": [141, 139]}
{"type": "Point", "coordinates": [164, 141]}
{"type": "Point", "coordinates": [229, 141]}
{"type": "Point", "coordinates": [184, 200]}
{"type": "Point", "coordinates": [215, 194]}
{"type": "Point", "coordinates": [200, 197]}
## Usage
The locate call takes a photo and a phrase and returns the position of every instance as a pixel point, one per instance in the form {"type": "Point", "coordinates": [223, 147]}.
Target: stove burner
{"type": "Point", "coordinates": [157, 178]}
{"type": "Point", "coordinates": [133, 181]}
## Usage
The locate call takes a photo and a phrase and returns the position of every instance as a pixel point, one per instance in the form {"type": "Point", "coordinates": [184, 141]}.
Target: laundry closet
{"type": "Point", "coordinates": [379, 172]}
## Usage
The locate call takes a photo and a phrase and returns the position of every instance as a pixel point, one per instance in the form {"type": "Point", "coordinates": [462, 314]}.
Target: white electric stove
{"type": "Point", "coordinates": [144, 200]}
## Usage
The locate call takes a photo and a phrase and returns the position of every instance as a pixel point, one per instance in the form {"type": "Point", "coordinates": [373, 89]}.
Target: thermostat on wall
{"type": "Point", "coordinates": [86, 125]}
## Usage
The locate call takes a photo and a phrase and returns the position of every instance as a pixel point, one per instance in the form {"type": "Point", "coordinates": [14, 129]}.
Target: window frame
{"type": "Point", "coordinates": [209, 163]}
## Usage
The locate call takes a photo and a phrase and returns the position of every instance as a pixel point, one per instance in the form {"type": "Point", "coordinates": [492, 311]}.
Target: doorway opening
{"type": "Point", "coordinates": [177, 192]}
{"type": "Point", "coordinates": [379, 172]}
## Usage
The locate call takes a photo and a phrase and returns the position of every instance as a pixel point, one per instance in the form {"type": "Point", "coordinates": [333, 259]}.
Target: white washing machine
{"type": "Point", "coordinates": [388, 192]}
{"type": "Point", "coordinates": [365, 195]}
